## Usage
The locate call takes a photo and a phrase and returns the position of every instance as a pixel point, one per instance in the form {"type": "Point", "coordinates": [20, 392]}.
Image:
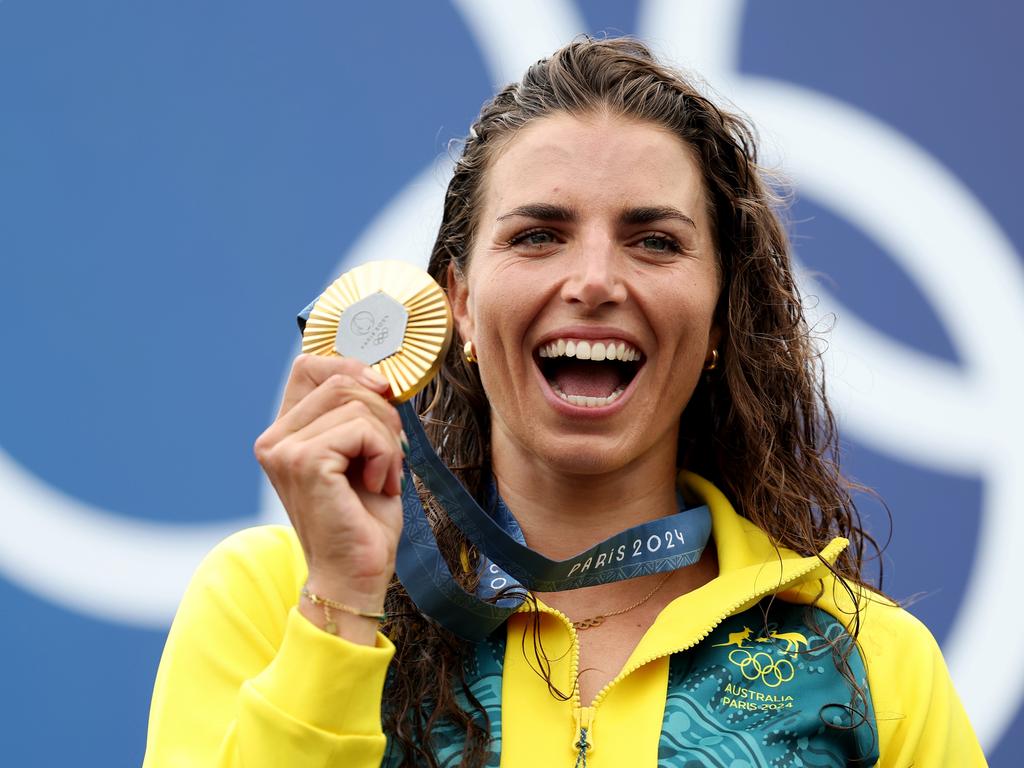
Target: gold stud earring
{"type": "Point", "coordinates": [710, 365]}
{"type": "Point", "coordinates": [467, 352]}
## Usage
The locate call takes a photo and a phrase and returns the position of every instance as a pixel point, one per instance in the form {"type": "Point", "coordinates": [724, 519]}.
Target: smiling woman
{"type": "Point", "coordinates": [632, 352]}
{"type": "Point", "coordinates": [581, 244]}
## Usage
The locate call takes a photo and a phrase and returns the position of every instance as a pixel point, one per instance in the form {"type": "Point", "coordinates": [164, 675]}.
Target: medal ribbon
{"type": "Point", "coordinates": [509, 564]}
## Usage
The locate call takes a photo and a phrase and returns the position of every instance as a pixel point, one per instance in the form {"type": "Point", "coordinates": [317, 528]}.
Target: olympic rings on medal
{"type": "Point", "coordinates": [761, 666]}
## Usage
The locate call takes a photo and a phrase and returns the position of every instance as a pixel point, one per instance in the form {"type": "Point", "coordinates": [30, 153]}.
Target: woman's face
{"type": "Point", "coordinates": [590, 292]}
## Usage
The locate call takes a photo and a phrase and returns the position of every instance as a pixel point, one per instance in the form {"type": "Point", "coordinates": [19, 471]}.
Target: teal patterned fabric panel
{"type": "Point", "coordinates": [483, 672]}
{"type": "Point", "coordinates": [763, 690]}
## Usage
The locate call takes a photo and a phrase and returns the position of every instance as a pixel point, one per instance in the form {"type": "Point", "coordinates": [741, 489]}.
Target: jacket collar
{"type": "Point", "coordinates": [741, 544]}
{"type": "Point", "coordinates": [750, 567]}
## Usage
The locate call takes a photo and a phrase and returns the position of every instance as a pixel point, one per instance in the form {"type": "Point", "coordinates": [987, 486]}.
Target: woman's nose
{"type": "Point", "coordinates": [596, 277]}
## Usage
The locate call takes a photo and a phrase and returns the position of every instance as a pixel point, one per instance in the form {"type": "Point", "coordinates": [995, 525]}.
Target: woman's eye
{"type": "Point", "coordinates": [660, 244]}
{"type": "Point", "coordinates": [537, 237]}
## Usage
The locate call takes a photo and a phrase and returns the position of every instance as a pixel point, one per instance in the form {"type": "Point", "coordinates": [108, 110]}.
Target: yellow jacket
{"type": "Point", "coordinates": [245, 680]}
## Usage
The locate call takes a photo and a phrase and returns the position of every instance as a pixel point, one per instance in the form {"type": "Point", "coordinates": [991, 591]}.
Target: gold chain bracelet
{"type": "Point", "coordinates": [327, 604]}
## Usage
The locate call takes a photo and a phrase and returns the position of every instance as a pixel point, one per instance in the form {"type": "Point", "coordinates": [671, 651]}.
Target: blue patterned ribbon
{"type": "Point", "coordinates": [509, 567]}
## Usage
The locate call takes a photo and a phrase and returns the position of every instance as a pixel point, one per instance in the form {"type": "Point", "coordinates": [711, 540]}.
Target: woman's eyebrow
{"type": "Point", "coordinates": [632, 216]}
{"type": "Point", "coordinates": [649, 214]}
{"type": "Point", "coordinates": [543, 212]}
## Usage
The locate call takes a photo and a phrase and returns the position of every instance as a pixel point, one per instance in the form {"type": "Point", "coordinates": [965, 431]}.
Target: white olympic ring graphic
{"type": "Point", "coordinates": [891, 397]}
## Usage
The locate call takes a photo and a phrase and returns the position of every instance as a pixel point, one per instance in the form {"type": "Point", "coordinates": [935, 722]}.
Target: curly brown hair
{"type": "Point", "coordinates": [759, 427]}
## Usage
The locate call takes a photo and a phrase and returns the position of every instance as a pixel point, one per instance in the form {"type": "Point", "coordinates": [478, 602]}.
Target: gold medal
{"type": "Point", "coordinates": [389, 314]}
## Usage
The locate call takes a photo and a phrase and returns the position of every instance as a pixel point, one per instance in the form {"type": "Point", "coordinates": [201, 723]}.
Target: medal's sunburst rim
{"type": "Point", "coordinates": [412, 367]}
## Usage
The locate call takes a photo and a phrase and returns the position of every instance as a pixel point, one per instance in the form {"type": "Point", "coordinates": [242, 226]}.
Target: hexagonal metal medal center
{"type": "Point", "coordinates": [371, 329]}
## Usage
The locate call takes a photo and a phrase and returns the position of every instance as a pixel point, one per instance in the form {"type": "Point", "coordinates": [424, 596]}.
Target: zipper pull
{"type": "Point", "coordinates": [584, 739]}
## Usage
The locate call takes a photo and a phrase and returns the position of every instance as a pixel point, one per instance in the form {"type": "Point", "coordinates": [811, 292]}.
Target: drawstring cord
{"type": "Point", "coordinates": [582, 746]}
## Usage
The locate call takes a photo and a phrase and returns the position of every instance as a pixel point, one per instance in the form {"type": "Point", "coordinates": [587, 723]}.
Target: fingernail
{"type": "Point", "coordinates": [373, 378]}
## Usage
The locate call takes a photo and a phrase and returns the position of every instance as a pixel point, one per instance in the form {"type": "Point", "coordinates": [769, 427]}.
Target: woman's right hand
{"type": "Point", "coordinates": [334, 456]}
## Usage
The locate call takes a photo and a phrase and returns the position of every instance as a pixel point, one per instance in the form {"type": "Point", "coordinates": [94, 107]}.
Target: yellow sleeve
{"type": "Point", "coordinates": [921, 721]}
{"type": "Point", "coordinates": [247, 681]}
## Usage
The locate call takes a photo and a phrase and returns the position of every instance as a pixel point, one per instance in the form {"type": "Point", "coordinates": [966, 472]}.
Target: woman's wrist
{"type": "Point", "coordinates": [355, 629]}
{"type": "Point", "coordinates": [340, 609]}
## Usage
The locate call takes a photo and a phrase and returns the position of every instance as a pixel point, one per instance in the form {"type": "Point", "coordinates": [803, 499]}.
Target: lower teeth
{"type": "Point", "coordinates": [587, 401]}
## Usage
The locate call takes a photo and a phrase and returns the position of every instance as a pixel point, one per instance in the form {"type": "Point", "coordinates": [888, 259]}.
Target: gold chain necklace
{"type": "Point", "coordinates": [598, 620]}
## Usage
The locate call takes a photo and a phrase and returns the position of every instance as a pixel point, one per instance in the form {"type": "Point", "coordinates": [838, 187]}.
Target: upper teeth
{"type": "Point", "coordinates": [590, 350]}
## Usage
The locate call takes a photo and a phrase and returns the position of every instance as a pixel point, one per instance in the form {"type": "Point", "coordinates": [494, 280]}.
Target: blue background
{"type": "Point", "coordinates": [211, 162]}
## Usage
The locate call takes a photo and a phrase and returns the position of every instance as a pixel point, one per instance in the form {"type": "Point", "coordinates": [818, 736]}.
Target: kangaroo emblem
{"type": "Point", "coordinates": [791, 639]}
{"type": "Point", "coordinates": [737, 638]}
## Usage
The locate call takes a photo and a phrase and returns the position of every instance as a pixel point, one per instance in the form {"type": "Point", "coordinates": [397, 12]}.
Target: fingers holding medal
{"type": "Point", "coordinates": [334, 454]}
{"type": "Point", "coordinates": [325, 394]}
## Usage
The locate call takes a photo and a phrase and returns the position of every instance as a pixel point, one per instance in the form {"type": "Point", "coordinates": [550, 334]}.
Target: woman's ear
{"type": "Point", "coordinates": [714, 340]}
{"type": "Point", "coordinates": [457, 287]}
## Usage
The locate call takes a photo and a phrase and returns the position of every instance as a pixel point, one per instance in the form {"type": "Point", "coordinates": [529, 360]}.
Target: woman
{"type": "Point", "coordinates": [629, 335]}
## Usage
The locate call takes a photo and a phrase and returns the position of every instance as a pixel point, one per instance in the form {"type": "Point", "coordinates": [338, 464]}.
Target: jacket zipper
{"type": "Point", "coordinates": [583, 734]}
{"type": "Point", "coordinates": [583, 717]}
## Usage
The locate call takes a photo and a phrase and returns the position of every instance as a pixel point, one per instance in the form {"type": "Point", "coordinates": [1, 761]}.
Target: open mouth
{"type": "Point", "coordinates": [589, 373]}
